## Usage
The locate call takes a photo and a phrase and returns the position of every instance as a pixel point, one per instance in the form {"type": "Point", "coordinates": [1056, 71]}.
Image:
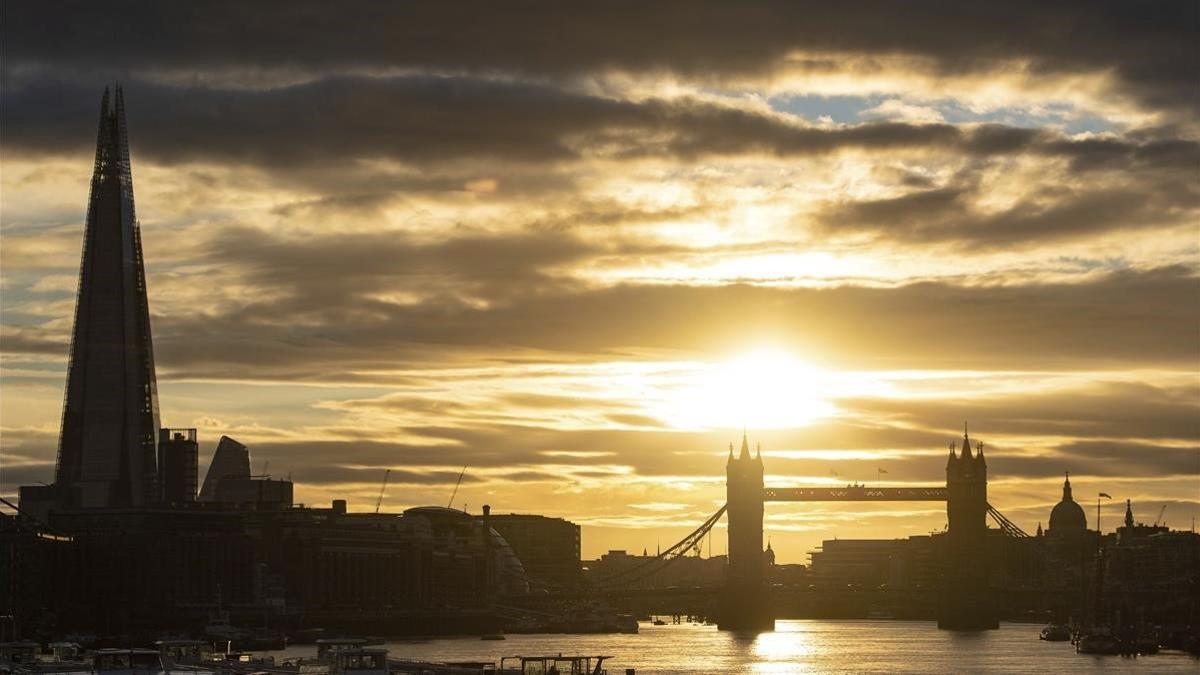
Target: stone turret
{"type": "Point", "coordinates": [744, 605]}
{"type": "Point", "coordinates": [965, 602]}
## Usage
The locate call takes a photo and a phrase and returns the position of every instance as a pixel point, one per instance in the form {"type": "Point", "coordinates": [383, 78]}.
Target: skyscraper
{"type": "Point", "coordinates": [106, 452]}
{"type": "Point", "coordinates": [230, 461]}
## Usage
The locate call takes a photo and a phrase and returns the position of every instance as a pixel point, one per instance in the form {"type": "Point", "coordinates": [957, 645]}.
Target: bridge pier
{"type": "Point", "coordinates": [746, 609]}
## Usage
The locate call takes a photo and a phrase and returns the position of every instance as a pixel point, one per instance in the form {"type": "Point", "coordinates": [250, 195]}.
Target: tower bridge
{"type": "Point", "coordinates": [964, 600]}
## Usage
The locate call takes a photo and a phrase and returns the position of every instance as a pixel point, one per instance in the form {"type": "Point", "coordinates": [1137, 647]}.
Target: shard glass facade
{"type": "Point", "coordinates": [106, 454]}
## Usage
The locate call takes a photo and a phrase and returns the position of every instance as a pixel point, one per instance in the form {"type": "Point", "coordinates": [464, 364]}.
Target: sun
{"type": "Point", "coordinates": [759, 389]}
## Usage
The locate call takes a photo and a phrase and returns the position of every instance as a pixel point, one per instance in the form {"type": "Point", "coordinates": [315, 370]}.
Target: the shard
{"type": "Point", "coordinates": [106, 454]}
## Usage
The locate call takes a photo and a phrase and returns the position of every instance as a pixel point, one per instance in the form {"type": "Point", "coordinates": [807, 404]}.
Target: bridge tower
{"type": "Point", "coordinates": [744, 605]}
{"type": "Point", "coordinates": [965, 602]}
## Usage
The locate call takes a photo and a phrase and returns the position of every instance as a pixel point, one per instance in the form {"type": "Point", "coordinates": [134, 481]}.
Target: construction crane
{"type": "Point", "coordinates": [452, 494]}
{"type": "Point", "coordinates": [1161, 511]}
{"type": "Point", "coordinates": [379, 502]}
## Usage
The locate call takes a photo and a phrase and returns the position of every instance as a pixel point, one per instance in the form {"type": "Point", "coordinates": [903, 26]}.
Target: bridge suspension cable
{"type": "Point", "coordinates": [1007, 526]}
{"type": "Point", "coordinates": [660, 561]}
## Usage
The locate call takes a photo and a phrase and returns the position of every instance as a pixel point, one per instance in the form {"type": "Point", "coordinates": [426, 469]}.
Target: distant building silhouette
{"type": "Point", "coordinates": [1067, 518]}
{"type": "Point", "coordinates": [230, 461]}
{"type": "Point", "coordinates": [106, 454]}
{"type": "Point", "coordinates": [1133, 532]}
{"type": "Point", "coordinates": [228, 480]}
{"type": "Point", "coordinates": [178, 465]}
{"type": "Point", "coordinates": [549, 548]}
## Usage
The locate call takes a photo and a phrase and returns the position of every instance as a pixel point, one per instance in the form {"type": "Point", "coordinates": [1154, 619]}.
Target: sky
{"type": "Point", "coordinates": [579, 248]}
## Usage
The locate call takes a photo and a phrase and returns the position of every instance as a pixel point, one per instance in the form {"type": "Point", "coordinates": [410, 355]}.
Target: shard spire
{"type": "Point", "coordinates": [106, 454]}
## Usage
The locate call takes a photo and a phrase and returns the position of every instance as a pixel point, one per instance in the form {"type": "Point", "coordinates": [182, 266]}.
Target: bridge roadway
{"type": "Point", "coordinates": [855, 493]}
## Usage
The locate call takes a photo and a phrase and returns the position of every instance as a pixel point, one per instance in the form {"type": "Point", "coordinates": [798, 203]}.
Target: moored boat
{"type": "Point", "coordinates": [530, 665]}
{"type": "Point", "coordinates": [19, 654]}
{"type": "Point", "coordinates": [117, 661]}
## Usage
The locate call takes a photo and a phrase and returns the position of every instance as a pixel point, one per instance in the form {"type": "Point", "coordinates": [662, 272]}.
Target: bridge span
{"type": "Point", "coordinates": [855, 493]}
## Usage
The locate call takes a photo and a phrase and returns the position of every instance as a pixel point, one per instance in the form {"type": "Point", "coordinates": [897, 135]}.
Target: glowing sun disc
{"type": "Point", "coordinates": [763, 389]}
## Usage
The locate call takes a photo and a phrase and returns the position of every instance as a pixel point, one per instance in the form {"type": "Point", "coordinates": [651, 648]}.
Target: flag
{"type": "Point", "coordinates": [1106, 495]}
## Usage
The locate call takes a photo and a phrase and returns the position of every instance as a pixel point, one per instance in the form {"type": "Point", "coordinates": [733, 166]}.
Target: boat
{"type": "Point", "coordinates": [347, 660]}
{"type": "Point", "coordinates": [1056, 632]}
{"type": "Point", "coordinates": [327, 648]}
{"type": "Point", "coordinates": [184, 652]}
{"type": "Point", "coordinates": [364, 661]}
{"type": "Point", "coordinates": [66, 651]}
{"type": "Point", "coordinates": [531, 665]}
{"type": "Point", "coordinates": [659, 622]}
{"type": "Point", "coordinates": [127, 661]}
{"type": "Point", "coordinates": [20, 654]}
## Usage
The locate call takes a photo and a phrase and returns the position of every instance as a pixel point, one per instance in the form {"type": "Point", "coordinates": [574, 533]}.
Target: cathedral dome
{"type": "Point", "coordinates": [1067, 516]}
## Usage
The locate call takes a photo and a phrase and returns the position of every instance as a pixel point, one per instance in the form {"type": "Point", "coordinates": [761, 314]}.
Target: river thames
{"type": "Point", "coordinates": [802, 647]}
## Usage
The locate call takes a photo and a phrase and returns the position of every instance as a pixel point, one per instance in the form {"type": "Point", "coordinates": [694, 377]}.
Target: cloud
{"type": "Point", "coordinates": [950, 214]}
{"type": "Point", "coordinates": [425, 119]}
{"type": "Point", "coordinates": [1097, 409]}
{"type": "Point", "coordinates": [330, 322]}
{"type": "Point", "coordinates": [1145, 50]}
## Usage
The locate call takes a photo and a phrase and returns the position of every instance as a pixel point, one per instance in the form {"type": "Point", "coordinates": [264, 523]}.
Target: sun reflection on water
{"type": "Point", "coordinates": [782, 651]}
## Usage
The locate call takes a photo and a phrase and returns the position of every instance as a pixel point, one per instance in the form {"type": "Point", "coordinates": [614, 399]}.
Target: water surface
{"type": "Point", "coordinates": [804, 647]}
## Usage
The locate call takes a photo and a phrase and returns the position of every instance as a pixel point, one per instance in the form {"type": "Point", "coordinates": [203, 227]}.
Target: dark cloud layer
{"type": "Point", "coordinates": [949, 214]}
{"type": "Point", "coordinates": [1147, 46]}
{"type": "Point", "coordinates": [1098, 410]}
{"type": "Point", "coordinates": [423, 119]}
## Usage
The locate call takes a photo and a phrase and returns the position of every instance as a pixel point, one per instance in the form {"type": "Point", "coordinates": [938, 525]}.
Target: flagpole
{"type": "Point", "coordinates": [1099, 532]}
